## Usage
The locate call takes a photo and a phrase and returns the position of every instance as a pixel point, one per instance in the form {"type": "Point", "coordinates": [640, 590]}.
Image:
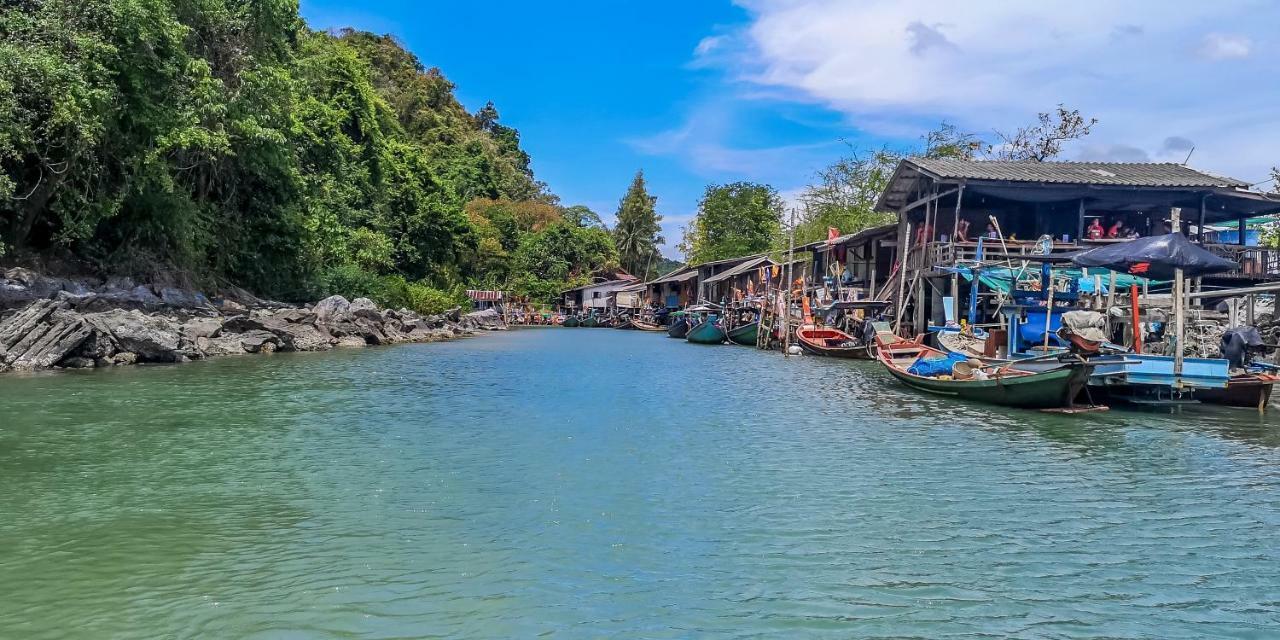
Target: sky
{"type": "Point", "coordinates": [696, 92]}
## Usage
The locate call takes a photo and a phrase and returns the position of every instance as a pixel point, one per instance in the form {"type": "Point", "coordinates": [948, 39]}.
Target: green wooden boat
{"type": "Point", "coordinates": [591, 321]}
{"type": "Point", "coordinates": [706, 332]}
{"type": "Point", "coordinates": [570, 321]}
{"type": "Point", "coordinates": [1005, 385]}
{"type": "Point", "coordinates": [745, 335]}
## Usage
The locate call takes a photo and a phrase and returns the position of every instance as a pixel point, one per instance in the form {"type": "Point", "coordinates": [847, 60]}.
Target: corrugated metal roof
{"type": "Point", "coordinates": [679, 275]}
{"type": "Point", "coordinates": [1132, 174]}
{"type": "Point", "coordinates": [740, 269]}
{"type": "Point", "coordinates": [886, 229]}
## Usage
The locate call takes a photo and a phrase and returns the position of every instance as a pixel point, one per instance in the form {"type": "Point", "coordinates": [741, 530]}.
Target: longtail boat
{"type": "Point", "coordinates": [1251, 390]}
{"type": "Point", "coordinates": [825, 341]}
{"type": "Point", "coordinates": [646, 326]}
{"type": "Point", "coordinates": [624, 322]}
{"type": "Point", "coordinates": [1003, 385]}
{"type": "Point", "coordinates": [570, 321]}
{"type": "Point", "coordinates": [591, 321]}
{"type": "Point", "coordinates": [706, 332]}
{"type": "Point", "coordinates": [678, 328]}
{"type": "Point", "coordinates": [746, 335]}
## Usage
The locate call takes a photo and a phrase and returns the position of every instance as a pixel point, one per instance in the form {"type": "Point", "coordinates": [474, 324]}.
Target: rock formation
{"type": "Point", "coordinates": [50, 322]}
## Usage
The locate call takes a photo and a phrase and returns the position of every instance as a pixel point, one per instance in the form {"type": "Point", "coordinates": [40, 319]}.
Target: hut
{"type": "Point", "coordinates": [745, 279]}
{"type": "Point", "coordinates": [854, 266]}
{"type": "Point", "coordinates": [945, 206]}
{"type": "Point", "coordinates": [674, 290]}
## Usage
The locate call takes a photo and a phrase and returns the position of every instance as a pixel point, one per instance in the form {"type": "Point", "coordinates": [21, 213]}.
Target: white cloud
{"type": "Point", "coordinates": [708, 45]}
{"type": "Point", "coordinates": [894, 65]}
{"type": "Point", "coordinates": [1221, 46]}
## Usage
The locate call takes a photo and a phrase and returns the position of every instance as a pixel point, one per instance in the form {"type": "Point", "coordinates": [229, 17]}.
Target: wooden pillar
{"type": "Point", "coordinates": [1200, 223]}
{"type": "Point", "coordinates": [1080, 223]}
{"type": "Point", "coordinates": [1242, 239]}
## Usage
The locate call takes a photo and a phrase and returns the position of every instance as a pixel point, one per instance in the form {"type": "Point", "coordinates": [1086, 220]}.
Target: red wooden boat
{"type": "Point", "coordinates": [834, 343]}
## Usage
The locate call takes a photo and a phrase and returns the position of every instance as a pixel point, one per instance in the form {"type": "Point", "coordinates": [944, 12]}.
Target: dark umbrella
{"type": "Point", "coordinates": [1156, 257]}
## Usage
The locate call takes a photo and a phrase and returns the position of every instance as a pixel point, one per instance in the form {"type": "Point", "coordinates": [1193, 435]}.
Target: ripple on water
{"type": "Point", "coordinates": [583, 483]}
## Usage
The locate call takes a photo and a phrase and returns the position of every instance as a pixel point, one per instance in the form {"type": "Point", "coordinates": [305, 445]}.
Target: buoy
{"type": "Point", "coordinates": [795, 350]}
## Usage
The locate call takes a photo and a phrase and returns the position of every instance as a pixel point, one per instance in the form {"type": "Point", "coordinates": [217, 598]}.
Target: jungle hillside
{"type": "Point", "coordinates": [226, 142]}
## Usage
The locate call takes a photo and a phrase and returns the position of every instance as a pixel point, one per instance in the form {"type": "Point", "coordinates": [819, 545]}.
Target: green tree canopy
{"type": "Point", "coordinates": [734, 220]}
{"type": "Point", "coordinates": [637, 231]}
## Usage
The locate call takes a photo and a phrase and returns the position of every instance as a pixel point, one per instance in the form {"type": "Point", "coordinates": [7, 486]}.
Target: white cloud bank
{"type": "Point", "coordinates": [1151, 71]}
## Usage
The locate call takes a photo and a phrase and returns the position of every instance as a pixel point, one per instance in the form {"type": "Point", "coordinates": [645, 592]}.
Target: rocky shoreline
{"type": "Point", "coordinates": [48, 322]}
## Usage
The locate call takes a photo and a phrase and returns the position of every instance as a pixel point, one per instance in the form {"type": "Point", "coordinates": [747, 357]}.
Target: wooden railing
{"type": "Point", "coordinates": [1256, 263]}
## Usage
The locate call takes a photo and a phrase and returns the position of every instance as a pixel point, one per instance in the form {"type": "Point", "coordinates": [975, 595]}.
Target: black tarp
{"type": "Point", "coordinates": [1155, 257]}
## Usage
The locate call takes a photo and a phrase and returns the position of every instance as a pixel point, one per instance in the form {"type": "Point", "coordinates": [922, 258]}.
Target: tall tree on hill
{"type": "Point", "coordinates": [734, 220]}
{"type": "Point", "coordinates": [636, 233]}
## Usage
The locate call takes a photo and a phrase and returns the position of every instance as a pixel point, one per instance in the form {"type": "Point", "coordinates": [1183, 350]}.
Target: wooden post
{"type": "Point", "coordinates": [1048, 309]}
{"type": "Point", "coordinates": [786, 315]}
{"type": "Point", "coordinates": [1200, 223]}
{"type": "Point", "coordinates": [1111, 290]}
{"type": "Point", "coordinates": [1179, 314]}
{"type": "Point", "coordinates": [1080, 223]}
{"type": "Point", "coordinates": [1137, 318]}
{"type": "Point", "coordinates": [871, 270]}
{"type": "Point", "coordinates": [902, 285]}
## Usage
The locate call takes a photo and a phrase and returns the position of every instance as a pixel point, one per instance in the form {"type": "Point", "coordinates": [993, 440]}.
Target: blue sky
{"type": "Point", "coordinates": [701, 91]}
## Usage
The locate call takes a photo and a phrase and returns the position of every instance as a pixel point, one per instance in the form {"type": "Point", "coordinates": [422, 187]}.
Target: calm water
{"type": "Point", "coordinates": [585, 483]}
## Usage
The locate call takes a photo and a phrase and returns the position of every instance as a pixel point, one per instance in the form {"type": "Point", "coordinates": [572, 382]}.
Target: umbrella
{"type": "Point", "coordinates": [1155, 257]}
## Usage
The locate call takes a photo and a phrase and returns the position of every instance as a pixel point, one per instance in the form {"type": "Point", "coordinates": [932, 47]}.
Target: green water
{"type": "Point", "coordinates": [590, 483]}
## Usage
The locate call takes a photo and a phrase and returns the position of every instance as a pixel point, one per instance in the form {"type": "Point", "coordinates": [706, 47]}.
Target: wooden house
{"type": "Point", "coordinates": [1030, 208]}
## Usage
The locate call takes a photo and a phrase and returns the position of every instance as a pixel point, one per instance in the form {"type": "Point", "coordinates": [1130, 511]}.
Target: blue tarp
{"type": "Point", "coordinates": [933, 367]}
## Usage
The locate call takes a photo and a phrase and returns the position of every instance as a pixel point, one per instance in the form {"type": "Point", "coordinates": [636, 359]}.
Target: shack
{"type": "Point", "coordinates": [595, 296]}
{"type": "Point", "coordinates": [854, 266]}
{"type": "Point", "coordinates": [742, 281]}
{"type": "Point", "coordinates": [944, 206]}
{"type": "Point", "coordinates": [674, 290]}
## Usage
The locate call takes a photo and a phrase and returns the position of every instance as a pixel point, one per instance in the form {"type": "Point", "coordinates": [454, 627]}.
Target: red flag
{"type": "Point", "coordinates": [832, 233]}
{"type": "Point", "coordinates": [1140, 267]}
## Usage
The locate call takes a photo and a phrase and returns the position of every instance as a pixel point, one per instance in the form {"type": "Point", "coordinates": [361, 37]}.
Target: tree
{"type": "Point", "coordinates": [737, 219]}
{"type": "Point", "coordinates": [1043, 140]}
{"type": "Point", "coordinates": [637, 230]}
{"type": "Point", "coordinates": [583, 216]}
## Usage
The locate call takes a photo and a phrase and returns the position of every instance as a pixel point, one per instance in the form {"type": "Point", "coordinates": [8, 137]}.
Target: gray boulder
{"type": "Point", "coordinates": [151, 338]}
{"type": "Point", "coordinates": [489, 320]}
{"type": "Point", "coordinates": [40, 336]}
{"type": "Point", "coordinates": [183, 299]}
{"type": "Point", "coordinates": [201, 328]}
{"type": "Point", "coordinates": [230, 345]}
{"type": "Point", "coordinates": [332, 309]}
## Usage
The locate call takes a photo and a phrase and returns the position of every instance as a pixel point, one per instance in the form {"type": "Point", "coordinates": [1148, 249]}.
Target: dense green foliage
{"type": "Point", "coordinates": [224, 140]}
{"type": "Point", "coordinates": [637, 230]}
{"type": "Point", "coordinates": [737, 219]}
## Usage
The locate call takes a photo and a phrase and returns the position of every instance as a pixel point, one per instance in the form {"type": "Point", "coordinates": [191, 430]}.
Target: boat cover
{"type": "Point", "coordinates": [1155, 257]}
{"type": "Point", "coordinates": [1089, 325]}
{"type": "Point", "coordinates": [934, 367]}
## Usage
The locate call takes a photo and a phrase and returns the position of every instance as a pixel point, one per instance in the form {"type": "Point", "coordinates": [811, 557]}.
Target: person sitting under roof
{"type": "Point", "coordinates": [1095, 231]}
{"type": "Point", "coordinates": [1116, 230]}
